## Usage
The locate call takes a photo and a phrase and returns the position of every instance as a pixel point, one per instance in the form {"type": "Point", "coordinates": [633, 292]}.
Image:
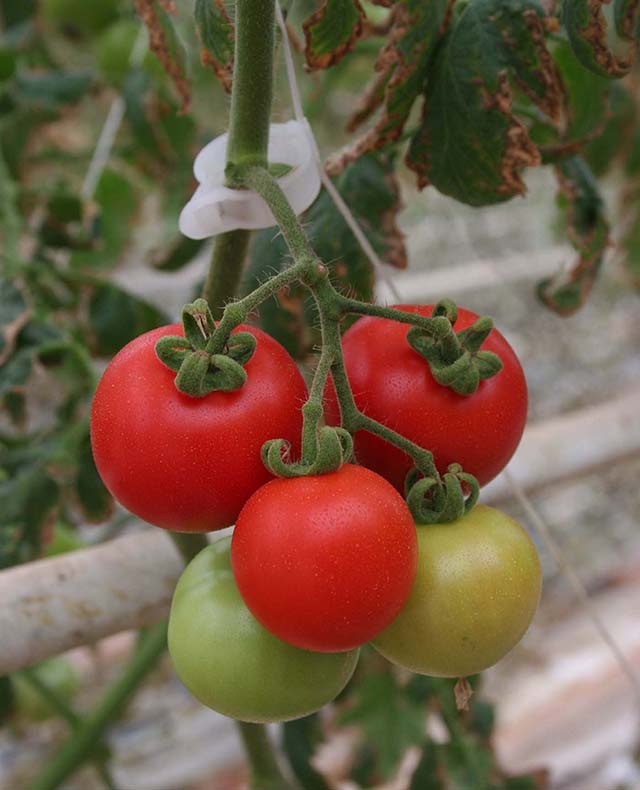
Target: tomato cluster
{"type": "Point", "coordinates": [267, 625]}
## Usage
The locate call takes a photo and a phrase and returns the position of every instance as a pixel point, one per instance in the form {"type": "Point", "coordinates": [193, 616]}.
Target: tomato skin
{"type": "Point", "coordinates": [475, 594]}
{"type": "Point", "coordinates": [231, 663]}
{"type": "Point", "coordinates": [392, 384]}
{"type": "Point", "coordinates": [189, 464]}
{"type": "Point", "coordinates": [325, 562]}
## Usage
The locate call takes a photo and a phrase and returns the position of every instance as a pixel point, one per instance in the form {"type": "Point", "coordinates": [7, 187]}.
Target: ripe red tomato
{"type": "Point", "coordinates": [393, 384]}
{"type": "Point", "coordinates": [475, 594]}
{"type": "Point", "coordinates": [325, 562]}
{"type": "Point", "coordinates": [189, 464]}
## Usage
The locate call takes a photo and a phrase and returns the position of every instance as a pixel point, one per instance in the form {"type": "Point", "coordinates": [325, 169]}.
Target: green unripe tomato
{"type": "Point", "coordinates": [475, 594]}
{"type": "Point", "coordinates": [56, 673]}
{"type": "Point", "coordinates": [231, 663]}
{"type": "Point", "coordinates": [113, 51]}
{"type": "Point", "coordinates": [80, 16]}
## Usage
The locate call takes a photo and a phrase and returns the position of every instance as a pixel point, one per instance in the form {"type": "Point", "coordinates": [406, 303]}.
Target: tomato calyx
{"type": "Point", "coordinates": [334, 447]}
{"type": "Point", "coordinates": [455, 358]}
{"type": "Point", "coordinates": [201, 365]}
{"type": "Point", "coordinates": [432, 501]}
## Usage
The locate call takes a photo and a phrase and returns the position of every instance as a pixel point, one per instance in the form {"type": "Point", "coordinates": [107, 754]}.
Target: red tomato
{"type": "Point", "coordinates": [393, 384]}
{"type": "Point", "coordinates": [189, 464]}
{"type": "Point", "coordinates": [325, 562]}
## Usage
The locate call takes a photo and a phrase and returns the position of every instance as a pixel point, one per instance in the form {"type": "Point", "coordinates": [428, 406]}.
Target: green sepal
{"type": "Point", "coordinates": [334, 448]}
{"type": "Point", "coordinates": [433, 501]}
{"type": "Point", "coordinates": [240, 347]}
{"type": "Point", "coordinates": [455, 360]}
{"type": "Point", "coordinates": [198, 323]}
{"type": "Point", "coordinates": [201, 373]}
{"type": "Point", "coordinates": [446, 308]}
{"type": "Point", "coordinates": [204, 362]}
{"type": "Point", "coordinates": [192, 375]}
{"type": "Point", "coordinates": [172, 350]}
{"type": "Point", "coordinates": [487, 364]}
{"type": "Point", "coordinates": [474, 336]}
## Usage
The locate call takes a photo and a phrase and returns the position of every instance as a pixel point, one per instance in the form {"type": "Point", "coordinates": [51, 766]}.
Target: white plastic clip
{"type": "Point", "coordinates": [215, 208]}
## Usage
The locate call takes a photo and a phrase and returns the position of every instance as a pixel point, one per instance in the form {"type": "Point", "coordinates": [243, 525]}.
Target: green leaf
{"type": "Point", "coordinates": [14, 14]}
{"type": "Point", "coordinates": [468, 764]}
{"type": "Point", "coordinates": [587, 95]}
{"type": "Point", "coordinates": [8, 60]}
{"type": "Point", "coordinates": [167, 46]}
{"type": "Point", "coordinates": [14, 403]}
{"type": "Point", "coordinates": [216, 34]}
{"type": "Point", "coordinates": [51, 89]}
{"type": "Point", "coordinates": [390, 722]}
{"type": "Point", "coordinates": [370, 190]}
{"type": "Point", "coordinates": [332, 32]}
{"type": "Point", "coordinates": [16, 371]}
{"type": "Point", "coordinates": [615, 139]}
{"type": "Point", "coordinates": [96, 502]}
{"type": "Point", "coordinates": [69, 221]}
{"type": "Point", "coordinates": [427, 775]}
{"type": "Point", "coordinates": [470, 144]}
{"type": "Point", "coordinates": [16, 131]}
{"type": "Point", "coordinates": [589, 233]}
{"type": "Point", "coordinates": [177, 254]}
{"type": "Point", "coordinates": [586, 28]}
{"type": "Point", "coordinates": [117, 202]}
{"type": "Point", "coordinates": [27, 501]}
{"type": "Point", "coordinates": [13, 313]}
{"type": "Point", "coordinates": [300, 738]}
{"type": "Point", "coordinates": [116, 317]}
{"type": "Point", "coordinates": [401, 72]}
{"type": "Point", "coordinates": [627, 19]}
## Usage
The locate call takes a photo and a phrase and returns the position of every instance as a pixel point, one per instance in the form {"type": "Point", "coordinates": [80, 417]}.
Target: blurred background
{"type": "Point", "coordinates": [96, 161]}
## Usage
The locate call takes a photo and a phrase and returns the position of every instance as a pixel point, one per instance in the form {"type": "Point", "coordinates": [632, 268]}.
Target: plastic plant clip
{"type": "Point", "coordinates": [215, 209]}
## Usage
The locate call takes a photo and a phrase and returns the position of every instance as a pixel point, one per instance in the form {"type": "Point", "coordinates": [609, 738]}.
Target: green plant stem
{"type": "Point", "coordinates": [265, 771]}
{"type": "Point", "coordinates": [90, 732]}
{"type": "Point", "coordinates": [67, 713]}
{"type": "Point", "coordinates": [312, 410]}
{"type": "Point", "coordinates": [310, 270]}
{"type": "Point", "coordinates": [225, 269]}
{"type": "Point", "coordinates": [252, 82]}
{"type": "Point", "coordinates": [354, 420]}
{"type": "Point", "coordinates": [53, 700]}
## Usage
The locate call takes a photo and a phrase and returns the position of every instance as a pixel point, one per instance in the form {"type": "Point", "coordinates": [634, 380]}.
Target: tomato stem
{"type": "Point", "coordinates": [225, 269]}
{"type": "Point", "coordinates": [66, 712]}
{"type": "Point", "coordinates": [248, 139]}
{"type": "Point", "coordinates": [265, 771]}
{"type": "Point", "coordinates": [82, 744]}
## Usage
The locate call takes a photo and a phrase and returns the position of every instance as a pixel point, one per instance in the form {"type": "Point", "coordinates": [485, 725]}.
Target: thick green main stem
{"type": "Point", "coordinates": [225, 269]}
{"type": "Point", "coordinates": [252, 82]}
{"type": "Point", "coordinates": [248, 140]}
{"type": "Point", "coordinates": [265, 771]}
